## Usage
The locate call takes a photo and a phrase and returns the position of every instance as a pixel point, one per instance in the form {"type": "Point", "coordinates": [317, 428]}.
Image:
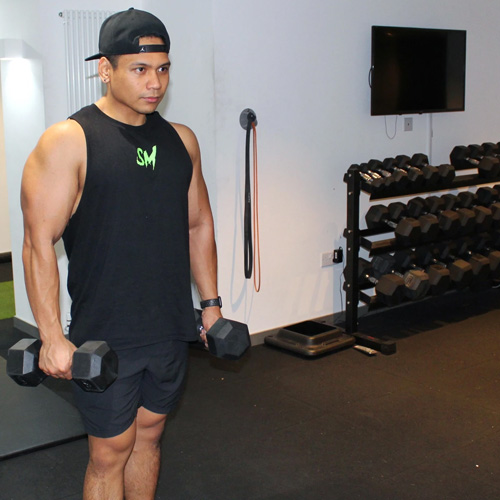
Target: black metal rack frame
{"type": "Point", "coordinates": [357, 238]}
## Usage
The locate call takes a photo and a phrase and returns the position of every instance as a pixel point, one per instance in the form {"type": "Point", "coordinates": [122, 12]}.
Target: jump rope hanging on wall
{"type": "Point", "coordinates": [248, 121]}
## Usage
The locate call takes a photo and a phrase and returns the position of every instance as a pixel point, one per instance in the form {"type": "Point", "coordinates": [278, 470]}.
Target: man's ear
{"type": "Point", "coordinates": [104, 69]}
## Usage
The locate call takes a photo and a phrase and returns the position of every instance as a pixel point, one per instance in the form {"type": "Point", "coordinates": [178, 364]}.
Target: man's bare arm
{"type": "Point", "coordinates": [50, 191]}
{"type": "Point", "coordinates": [203, 251]}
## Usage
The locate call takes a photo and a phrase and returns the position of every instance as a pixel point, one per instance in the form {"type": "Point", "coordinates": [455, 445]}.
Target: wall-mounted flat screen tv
{"type": "Point", "coordinates": [417, 70]}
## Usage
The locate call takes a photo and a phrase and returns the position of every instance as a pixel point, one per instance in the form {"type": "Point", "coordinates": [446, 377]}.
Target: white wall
{"type": "Point", "coordinates": [21, 86]}
{"type": "Point", "coordinates": [22, 104]}
{"type": "Point", "coordinates": [52, 47]}
{"type": "Point", "coordinates": [5, 241]}
{"type": "Point", "coordinates": [25, 28]}
{"type": "Point", "coordinates": [303, 67]}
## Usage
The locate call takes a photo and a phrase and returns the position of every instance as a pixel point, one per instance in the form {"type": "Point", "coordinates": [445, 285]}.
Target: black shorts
{"type": "Point", "coordinates": [151, 376]}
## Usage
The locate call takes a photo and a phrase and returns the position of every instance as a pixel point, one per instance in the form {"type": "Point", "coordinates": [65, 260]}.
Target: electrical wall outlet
{"type": "Point", "coordinates": [338, 255]}
{"type": "Point", "coordinates": [408, 124]}
{"type": "Point", "coordinates": [327, 259]}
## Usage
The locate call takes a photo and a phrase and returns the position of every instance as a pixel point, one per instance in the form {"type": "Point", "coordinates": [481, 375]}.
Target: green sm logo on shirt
{"type": "Point", "coordinates": [144, 159]}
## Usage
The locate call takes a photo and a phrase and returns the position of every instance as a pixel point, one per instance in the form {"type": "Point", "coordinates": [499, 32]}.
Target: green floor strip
{"type": "Point", "coordinates": [7, 306]}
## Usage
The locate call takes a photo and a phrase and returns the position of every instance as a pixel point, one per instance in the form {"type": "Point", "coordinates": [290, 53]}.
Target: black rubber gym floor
{"type": "Point", "coordinates": [423, 423]}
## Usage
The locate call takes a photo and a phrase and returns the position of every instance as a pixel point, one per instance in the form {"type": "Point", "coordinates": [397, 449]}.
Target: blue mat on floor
{"type": "Point", "coordinates": [33, 418]}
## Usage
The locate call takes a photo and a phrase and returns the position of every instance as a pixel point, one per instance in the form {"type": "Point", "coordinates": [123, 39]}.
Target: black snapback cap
{"type": "Point", "coordinates": [120, 34]}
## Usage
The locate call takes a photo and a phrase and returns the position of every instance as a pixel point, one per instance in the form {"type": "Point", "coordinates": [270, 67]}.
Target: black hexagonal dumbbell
{"type": "Point", "coordinates": [416, 282]}
{"type": "Point", "coordinates": [429, 223]}
{"type": "Point", "coordinates": [466, 157]}
{"type": "Point", "coordinates": [487, 212]}
{"type": "Point", "coordinates": [461, 274]}
{"type": "Point", "coordinates": [94, 367]}
{"type": "Point", "coordinates": [439, 275]}
{"type": "Point", "coordinates": [395, 178]}
{"type": "Point", "coordinates": [382, 178]}
{"type": "Point", "coordinates": [459, 249]}
{"type": "Point", "coordinates": [406, 230]}
{"type": "Point", "coordinates": [227, 339]}
{"type": "Point", "coordinates": [449, 221]}
{"type": "Point", "coordinates": [415, 175]}
{"type": "Point", "coordinates": [442, 174]}
{"type": "Point", "coordinates": [487, 206]}
{"type": "Point", "coordinates": [429, 172]}
{"type": "Point", "coordinates": [483, 244]}
{"type": "Point", "coordinates": [389, 288]}
{"type": "Point", "coordinates": [470, 220]}
{"type": "Point", "coordinates": [373, 180]}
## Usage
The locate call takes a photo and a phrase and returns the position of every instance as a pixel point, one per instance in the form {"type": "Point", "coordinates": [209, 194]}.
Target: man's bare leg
{"type": "Point", "coordinates": [104, 479]}
{"type": "Point", "coordinates": [143, 466]}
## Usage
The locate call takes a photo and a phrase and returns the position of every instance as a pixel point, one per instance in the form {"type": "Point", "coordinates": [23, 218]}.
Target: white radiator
{"type": "Point", "coordinates": [81, 36]}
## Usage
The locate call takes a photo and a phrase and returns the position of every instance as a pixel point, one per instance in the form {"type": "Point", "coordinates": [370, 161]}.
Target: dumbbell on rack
{"type": "Point", "coordinates": [470, 220]}
{"type": "Point", "coordinates": [429, 173]}
{"type": "Point", "coordinates": [487, 166]}
{"type": "Point", "coordinates": [449, 220]}
{"type": "Point", "coordinates": [407, 230]}
{"type": "Point", "coordinates": [485, 215]}
{"type": "Point", "coordinates": [460, 271]}
{"type": "Point", "coordinates": [483, 196]}
{"type": "Point", "coordinates": [445, 172]}
{"type": "Point", "coordinates": [394, 177]}
{"type": "Point", "coordinates": [429, 224]}
{"type": "Point", "coordinates": [381, 180]}
{"type": "Point", "coordinates": [483, 244]}
{"type": "Point", "coordinates": [488, 197]}
{"type": "Point", "coordinates": [389, 288]}
{"type": "Point", "coordinates": [439, 275]}
{"type": "Point", "coordinates": [415, 176]}
{"type": "Point", "coordinates": [487, 149]}
{"type": "Point", "coordinates": [466, 199]}
{"type": "Point", "coordinates": [94, 367]}
{"type": "Point", "coordinates": [490, 149]}
{"type": "Point", "coordinates": [416, 281]}
{"type": "Point", "coordinates": [401, 175]}
{"type": "Point", "coordinates": [375, 181]}
{"type": "Point", "coordinates": [459, 249]}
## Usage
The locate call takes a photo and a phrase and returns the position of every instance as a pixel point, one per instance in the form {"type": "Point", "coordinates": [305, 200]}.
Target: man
{"type": "Point", "coordinates": [125, 191]}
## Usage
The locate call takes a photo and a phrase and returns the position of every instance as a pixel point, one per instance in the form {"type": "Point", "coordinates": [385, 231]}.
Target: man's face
{"type": "Point", "coordinates": [138, 83]}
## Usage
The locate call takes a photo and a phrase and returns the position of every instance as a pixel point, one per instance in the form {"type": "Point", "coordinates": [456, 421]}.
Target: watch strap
{"type": "Point", "coordinates": [211, 303]}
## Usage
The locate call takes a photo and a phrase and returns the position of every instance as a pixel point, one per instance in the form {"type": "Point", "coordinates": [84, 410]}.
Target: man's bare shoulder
{"type": "Point", "coordinates": [189, 139]}
{"type": "Point", "coordinates": [61, 143]}
{"type": "Point", "coordinates": [62, 134]}
{"type": "Point", "coordinates": [182, 129]}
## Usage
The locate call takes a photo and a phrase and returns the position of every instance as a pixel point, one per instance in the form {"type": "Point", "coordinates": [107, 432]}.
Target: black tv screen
{"type": "Point", "coordinates": [417, 70]}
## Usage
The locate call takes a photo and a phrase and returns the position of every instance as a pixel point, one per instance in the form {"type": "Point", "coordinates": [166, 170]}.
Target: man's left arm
{"type": "Point", "coordinates": [203, 250]}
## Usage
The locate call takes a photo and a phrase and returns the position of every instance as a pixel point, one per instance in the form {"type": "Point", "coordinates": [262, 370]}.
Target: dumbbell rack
{"type": "Point", "coordinates": [357, 238]}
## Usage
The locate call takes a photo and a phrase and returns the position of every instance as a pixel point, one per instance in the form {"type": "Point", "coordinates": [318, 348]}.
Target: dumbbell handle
{"type": "Point", "coordinates": [230, 340]}
{"type": "Point", "coordinates": [201, 329]}
{"type": "Point", "coordinates": [372, 279]}
{"type": "Point", "coordinates": [87, 360]}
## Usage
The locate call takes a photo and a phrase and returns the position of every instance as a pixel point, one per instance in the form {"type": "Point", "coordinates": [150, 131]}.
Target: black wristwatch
{"type": "Point", "coordinates": [211, 303]}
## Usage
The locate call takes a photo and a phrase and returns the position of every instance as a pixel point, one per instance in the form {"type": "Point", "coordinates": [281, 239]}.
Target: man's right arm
{"type": "Point", "coordinates": [51, 188]}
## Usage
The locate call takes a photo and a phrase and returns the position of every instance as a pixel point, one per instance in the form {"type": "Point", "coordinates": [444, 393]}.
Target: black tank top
{"type": "Point", "coordinates": [128, 242]}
